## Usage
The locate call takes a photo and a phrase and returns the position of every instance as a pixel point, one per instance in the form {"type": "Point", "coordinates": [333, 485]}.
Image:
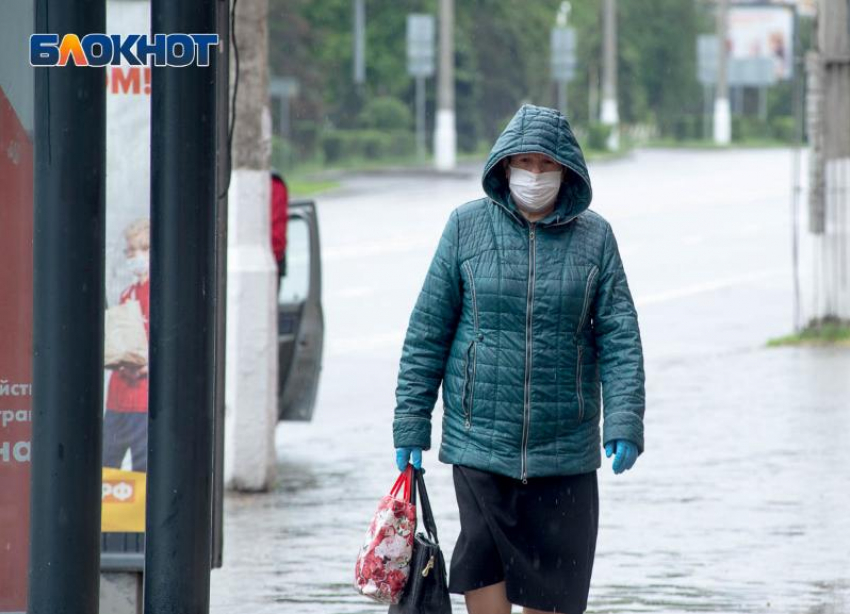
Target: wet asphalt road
{"type": "Point", "coordinates": [741, 502]}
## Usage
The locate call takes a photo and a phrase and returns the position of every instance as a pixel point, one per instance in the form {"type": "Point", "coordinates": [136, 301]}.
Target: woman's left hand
{"type": "Point", "coordinates": [625, 456]}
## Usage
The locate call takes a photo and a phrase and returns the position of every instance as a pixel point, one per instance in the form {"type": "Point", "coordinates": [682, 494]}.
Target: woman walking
{"type": "Point", "coordinates": [527, 321]}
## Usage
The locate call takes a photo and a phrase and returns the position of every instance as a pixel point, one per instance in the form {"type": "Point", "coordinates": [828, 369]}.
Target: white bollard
{"type": "Point", "coordinates": [722, 122]}
{"type": "Point", "coordinates": [445, 141]}
{"type": "Point", "coordinates": [251, 369]}
{"type": "Point", "coordinates": [610, 116]}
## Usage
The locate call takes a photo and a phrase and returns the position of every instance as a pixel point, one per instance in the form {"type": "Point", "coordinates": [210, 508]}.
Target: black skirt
{"type": "Point", "coordinates": [539, 537]}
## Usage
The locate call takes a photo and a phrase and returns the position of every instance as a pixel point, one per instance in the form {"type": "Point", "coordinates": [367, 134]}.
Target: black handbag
{"type": "Point", "coordinates": [426, 590]}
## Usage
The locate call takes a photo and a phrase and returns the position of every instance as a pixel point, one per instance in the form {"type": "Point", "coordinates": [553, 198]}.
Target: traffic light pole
{"type": "Point", "coordinates": [182, 330]}
{"type": "Point", "coordinates": [68, 305]}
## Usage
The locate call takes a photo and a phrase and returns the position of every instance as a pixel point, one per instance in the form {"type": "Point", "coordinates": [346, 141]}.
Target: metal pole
{"type": "Point", "coordinates": [68, 305]}
{"type": "Point", "coordinates": [610, 112]}
{"type": "Point", "coordinates": [359, 42]}
{"type": "Point", "coordinates": [445, 135]}
{"type": "Point", "coordinates": [722, 114]}
{"type": "Point", "coordinates": [420, 117]}
{"type": "Point", "coordinates": [182, 331]}
{"type": "Point", "coordinates": [562, 96]}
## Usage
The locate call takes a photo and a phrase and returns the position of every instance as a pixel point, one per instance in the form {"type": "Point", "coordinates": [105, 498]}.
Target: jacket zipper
{"type": "Point", "coordinates": [579, 390]}
{"type": "Point", "coordinates": [580, 348]}
{"type": "Point", "coordinates": [468, 268]}
{"type": "Point", "coordinates": [528, 318]}
{"type": "Point", "coordinates": [471, 352]}
{"type": "Point", "coordinates": [469, 384]}
{"type": "Point", "coordinates": [586, 306]}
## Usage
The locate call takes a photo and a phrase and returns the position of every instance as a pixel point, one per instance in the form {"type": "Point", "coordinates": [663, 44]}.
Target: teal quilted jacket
{"type": "Point", "coordinates": [530, 328]}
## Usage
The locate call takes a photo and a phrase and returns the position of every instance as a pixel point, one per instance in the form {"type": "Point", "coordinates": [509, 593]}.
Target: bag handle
{"type": "Point", "coordinates": [405, 483]}
{"type": "Point", "coordinates": [427, 514]}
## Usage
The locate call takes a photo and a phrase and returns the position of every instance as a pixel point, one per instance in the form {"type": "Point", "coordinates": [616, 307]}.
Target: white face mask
{"type": "Point", "coordinates": [138, 264]}
{"type": "Point", "coordinates": [534, 192]}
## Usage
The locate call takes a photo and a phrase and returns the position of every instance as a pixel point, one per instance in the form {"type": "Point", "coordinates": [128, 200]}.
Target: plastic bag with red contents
{"type": "Point", "coordinates": [383, 564]}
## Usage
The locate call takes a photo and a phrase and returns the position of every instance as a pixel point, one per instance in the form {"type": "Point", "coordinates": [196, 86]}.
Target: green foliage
{"type": "Point", "coordinates": [657, 63]}
{"type": "Point", "coordinates": [597, 136]}
{"type": "Point", "coordinates": [283, 155]}
{"type": "Point", "coordinates": [783, 128]}
{"type": "Point", "coordinates": [502, 57]}
{"type": "Point", "coordinates": [750, 128]}
{"type": "Point", "coordinates": [685, 127]}
{"type": "Point", "coordinates": [386, 113]}
{"type": "Point", "coordinates": [340, 145]}
{"type": "Point", "coordinates": [826, 331]}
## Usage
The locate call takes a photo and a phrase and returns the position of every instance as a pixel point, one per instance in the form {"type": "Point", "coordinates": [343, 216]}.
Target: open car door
{"type": "Point", "coordinates": [300, 321]}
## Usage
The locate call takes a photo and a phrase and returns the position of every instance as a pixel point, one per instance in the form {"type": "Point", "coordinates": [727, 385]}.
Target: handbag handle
{"type": "Point", "coordinates": [404, 482]}
{"type": "Point", "coordinates": [427, 514]}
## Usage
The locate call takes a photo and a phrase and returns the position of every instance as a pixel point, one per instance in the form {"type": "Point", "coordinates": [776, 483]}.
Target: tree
{"type": "Point", "coordinates": [502, 60]}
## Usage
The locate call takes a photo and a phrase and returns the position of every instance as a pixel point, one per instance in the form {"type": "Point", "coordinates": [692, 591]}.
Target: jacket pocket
{"type": "Point", "coordinates": [468, 392]}
{"type": "Point", "coordinates": [585, 308]}
{"type": "Point", "coordinates": [579, 390]}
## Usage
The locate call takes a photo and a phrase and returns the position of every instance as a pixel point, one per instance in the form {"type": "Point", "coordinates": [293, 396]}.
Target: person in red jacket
{"type": "Point", "coordinates": [125, 424]}
{"type": "Point", "coordinates": [279, 218]}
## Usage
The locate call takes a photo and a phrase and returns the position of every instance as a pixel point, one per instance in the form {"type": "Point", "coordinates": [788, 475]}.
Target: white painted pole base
{"type": "Point", "coordinates": [611, 117]}
{"type": "Point", "coordinates": [722, 121]}
{"type": "Point", "coordinates": [251, 369]}
{"type": "Point", "coordinates": [445, 141]}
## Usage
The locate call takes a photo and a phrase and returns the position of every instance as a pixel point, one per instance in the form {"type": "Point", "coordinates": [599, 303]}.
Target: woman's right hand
{"type": "Point", "coordinates": [405, 455]}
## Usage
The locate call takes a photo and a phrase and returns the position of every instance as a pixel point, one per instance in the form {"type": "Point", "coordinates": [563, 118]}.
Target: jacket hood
{"type": "Point", "coordinates": [540, 130]}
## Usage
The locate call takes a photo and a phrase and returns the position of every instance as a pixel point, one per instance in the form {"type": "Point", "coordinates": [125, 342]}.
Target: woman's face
{"type": "Point", "coordinates": [533, 163]}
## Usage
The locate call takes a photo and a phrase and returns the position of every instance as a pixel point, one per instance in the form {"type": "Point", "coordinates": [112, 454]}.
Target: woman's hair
{"type": "Point", "coordinates": [139, 233]}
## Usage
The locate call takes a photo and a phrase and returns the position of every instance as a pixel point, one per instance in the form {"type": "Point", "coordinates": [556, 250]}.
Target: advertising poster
{"type": "Point", "coordinates": [763, 32]}
{"type": "Point", "coordinates": [125, 419]}
{"type": "Point", "coordinates": [16, 234]}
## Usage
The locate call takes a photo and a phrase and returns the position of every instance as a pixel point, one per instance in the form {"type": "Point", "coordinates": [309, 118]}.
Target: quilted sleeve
{"type": "Point", "coordinates": [619, 349]}
{"type": "Point", "coordinates": [426, 346]}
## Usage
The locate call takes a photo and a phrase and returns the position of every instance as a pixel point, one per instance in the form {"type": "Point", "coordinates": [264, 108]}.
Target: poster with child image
{"type": "Point", "coordinates": [125, 418]}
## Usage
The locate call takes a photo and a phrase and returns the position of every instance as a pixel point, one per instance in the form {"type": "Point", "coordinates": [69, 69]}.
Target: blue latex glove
{"type": "Point", "coordinates": [625, 457]}
{"type": "Point", "coordinates": [402, 455]}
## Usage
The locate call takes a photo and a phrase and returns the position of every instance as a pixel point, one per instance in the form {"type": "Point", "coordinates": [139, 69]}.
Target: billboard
{"type": "Point", "coordinates": [763, 32]}
{"type": "Point", "coordinates": [16, 287]}
{"type": "Point", "coordinates": [807, 8]}
{"type": "Point", "coordinates": [125, 420]}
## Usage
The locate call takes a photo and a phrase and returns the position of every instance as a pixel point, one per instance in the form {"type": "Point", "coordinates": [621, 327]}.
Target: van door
{"type": "Point", "coordinates": [301, 325]}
